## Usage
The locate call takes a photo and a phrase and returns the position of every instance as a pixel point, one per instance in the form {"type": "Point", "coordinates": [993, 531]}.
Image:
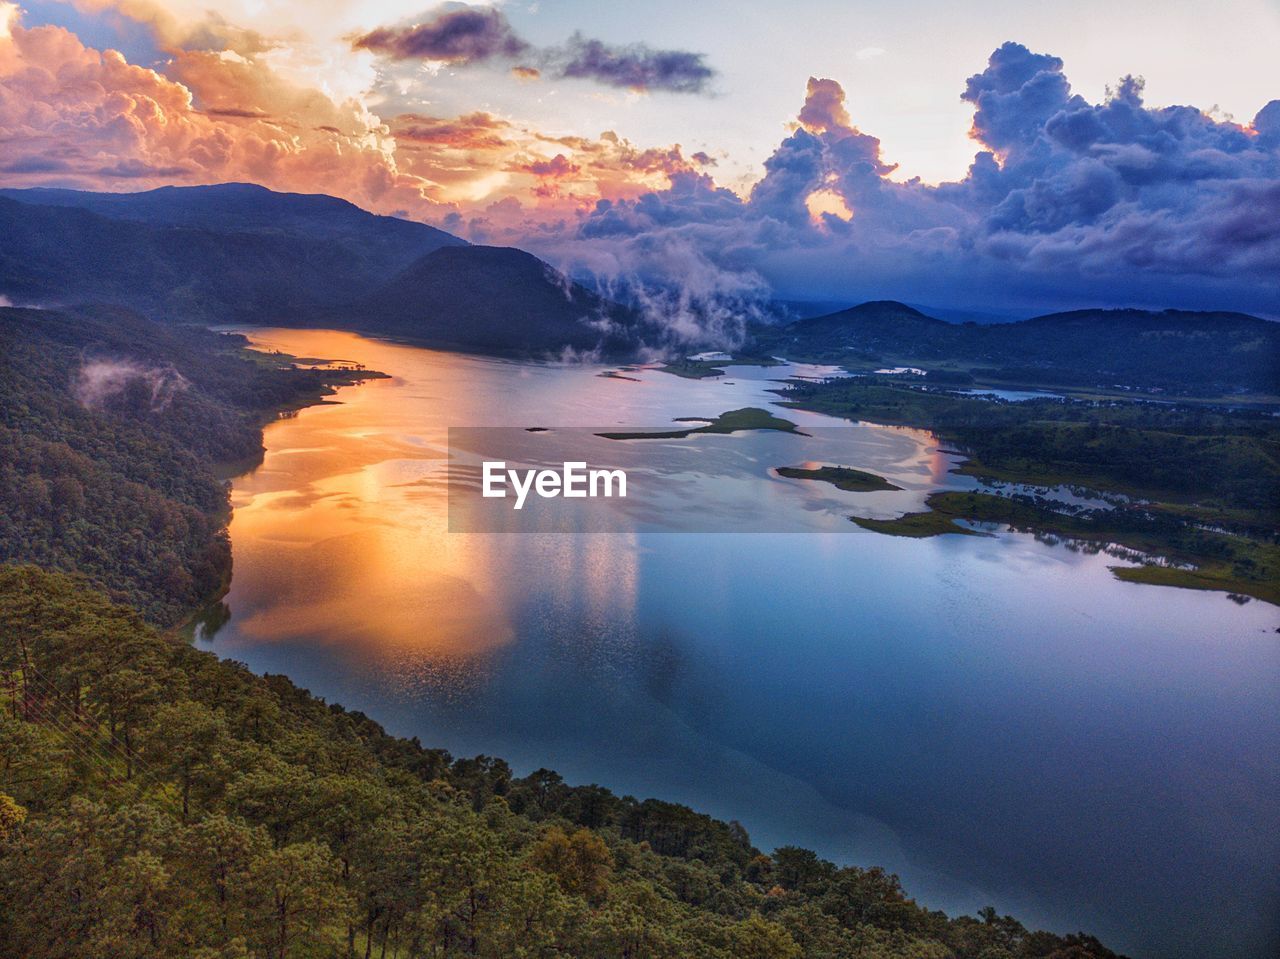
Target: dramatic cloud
{"type": "Point", "coordinates": [474, 131]}
{"type": "Point", "coordinates": [460, 34]}
{"type": "Point", "coordinates": [633, 67]}
{"type": "Point", "coordinates": [85, 118]}
{"type": "Point", "coordinates": [1068, 203]}
{"type": "Point", "coordinates": [457, 33]}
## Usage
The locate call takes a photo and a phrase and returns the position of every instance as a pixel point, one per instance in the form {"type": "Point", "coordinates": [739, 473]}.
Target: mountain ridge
{"type": "Point", "coordinates": [1163, 349]}
{"type": "Point", "coordinates": [240, 253]}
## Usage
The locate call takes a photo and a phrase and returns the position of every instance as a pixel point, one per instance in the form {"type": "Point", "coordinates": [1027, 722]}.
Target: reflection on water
{"type": "Point", "coordinates": [997, 719]}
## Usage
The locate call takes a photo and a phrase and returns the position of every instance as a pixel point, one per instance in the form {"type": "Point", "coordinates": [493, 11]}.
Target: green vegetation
{"type": "Point", "coordinates": [1235, 564]}
{"type": "Point", "coordinates": [1214, 457]}
{"type": "Point", "coordinates": [1203, 483]}
{"type": "Point", "coordinates": [1171, 352]}
{"type": "Point", "coordinates": [156, 801]}
{"type": "Point", "coordinates": [734, 421]}
{"type": "Point", "coordinates": [917, 525]}
{"type": "Point", "coordinates": [110, 429]}
{"type": "Point", "coordinates": [701, 369]}
{"type": "Point", "coordinates": [841, 477]}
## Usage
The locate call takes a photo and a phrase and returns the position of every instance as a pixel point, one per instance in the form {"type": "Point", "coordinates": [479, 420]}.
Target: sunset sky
{"type": "Point", "coordinates": [988, 156]}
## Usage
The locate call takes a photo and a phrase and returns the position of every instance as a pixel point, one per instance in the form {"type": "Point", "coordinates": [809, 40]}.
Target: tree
{"type": "Point", "coordinates": [296, 896]}
{"type": "Point", "coordinates": [581, 863]}
{"type": "Point", "coordinates": [11, 816]}
{"type": "Point", "coordinates": [757, 938]}
{"type": "Point", "coordinates": [182, 742]}
{"type": "Point", "coordinates": [214, 858]}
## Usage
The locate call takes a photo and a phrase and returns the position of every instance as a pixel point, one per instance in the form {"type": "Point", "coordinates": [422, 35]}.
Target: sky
{"type": "Point", "coordinates": [997, 157]}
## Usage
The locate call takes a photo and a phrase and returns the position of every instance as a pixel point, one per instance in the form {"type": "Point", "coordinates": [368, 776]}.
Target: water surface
{"type": "Point", "coordinates": [996, 719]}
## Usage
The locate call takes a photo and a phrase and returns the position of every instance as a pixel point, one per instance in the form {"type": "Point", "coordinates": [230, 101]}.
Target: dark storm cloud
{"type": "Point", "coordinates": [1066, 203]}
{"type": "Point", "coordinates": [455, 33]}
{"type": "Point", "coordinates": [632, 67]}
{"type": "Point", "coordinates": [460, 34]}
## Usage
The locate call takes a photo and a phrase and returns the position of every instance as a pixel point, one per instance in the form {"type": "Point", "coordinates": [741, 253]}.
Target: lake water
{"type": "Point", "coordinates": [998, 720]}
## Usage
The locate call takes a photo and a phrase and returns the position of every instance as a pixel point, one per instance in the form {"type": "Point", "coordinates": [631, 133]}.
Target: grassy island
{"type": "Point", "coordinates": [701, 369]}
{"type": "Point", "coordinates": [841, 477]}
{"type": "Point", "coordinates": [1202, 559]}
{"type": "Point", "coordinates": [734, 421]}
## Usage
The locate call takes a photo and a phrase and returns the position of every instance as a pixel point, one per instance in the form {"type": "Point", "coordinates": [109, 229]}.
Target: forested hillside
{"type": "Point", "coordinates": [158, 802]}
{"type": "Point", "coordinates": [1170, 351]}
{"type": "Point", "coordinates": [496, 300]}
{"type": "Point", "coordinates": [109, 429]}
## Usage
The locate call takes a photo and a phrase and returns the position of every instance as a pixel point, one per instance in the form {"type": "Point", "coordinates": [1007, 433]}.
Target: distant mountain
{"type": "Point", "coordinates": [241, 253]}
{"type": "Point", "coordinates": [380, 246]}
{"type": "Point", "coordinates": [66, 255]}
{"type": "Point", "coordinates": [1173, 349]}
{"type": "Point", "coordinates": [495, 299]}
{"type": "Point", "coordinates": [238, 253]}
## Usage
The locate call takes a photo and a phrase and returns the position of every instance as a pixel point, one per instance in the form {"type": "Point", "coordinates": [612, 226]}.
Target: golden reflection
{"type": "Point", "coordinates": [341, 535]}
{"type": "Point", "coordinates": [328, 539]}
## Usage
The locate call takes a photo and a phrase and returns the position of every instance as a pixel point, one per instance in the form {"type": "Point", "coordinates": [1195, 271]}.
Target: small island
{"type": "Point", "coordinates": [695, 368]}
{"type": "Point", "coordinates": [734, 421]}
{"type": "Point", "coordinates": [841, 477]}
{"type": "Point", "coordinates": [1186, 561]}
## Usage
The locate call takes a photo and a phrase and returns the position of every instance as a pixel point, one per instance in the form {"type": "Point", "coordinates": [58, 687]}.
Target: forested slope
{"type": "Point", "coordinates": [109, 429]}
{"type": "Point", "coordinates": [156, 801]}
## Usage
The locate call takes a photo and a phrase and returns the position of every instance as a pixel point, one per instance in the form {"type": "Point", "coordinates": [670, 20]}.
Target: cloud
{"type": "Point", "coordinates": [459, 34]}
{"type": "Point", "coordinates": [473, 131]}
{"type": "Point", "coordinates": [632, 67]}
{"type": "Point", "coordinates": [1067, 203]}
{"type": "Point", "coordinates": [98, 382]}
{"type": "Point", "coordinates": [456, 34]}
{"type": "Point", "coordinates": [1015, 96]}
{"type": "Point", "coordinates": [78, 117]}
{"type": "Point", "coordinates": [558, 166]}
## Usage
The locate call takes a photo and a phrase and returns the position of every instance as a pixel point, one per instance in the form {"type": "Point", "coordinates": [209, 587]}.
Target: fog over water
{"type": "Point", "coordinates": [997, 719]}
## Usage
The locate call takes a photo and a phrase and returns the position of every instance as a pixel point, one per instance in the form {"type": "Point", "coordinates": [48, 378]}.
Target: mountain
{"type": "Point", "coordinates": [216, 254]}
{"type": "Point", "coordinates": [873, 326]}
{"type": "Point", "coordinates": [380, 246]}
{"type": "Point", "coordinates": [494, 299]}
{"type": "Point", "coordinates": [66, 255]}
{"type": "Point", "coordinates": [1172, 349]}
{"type": "Point", "coordinates": [237, 253]}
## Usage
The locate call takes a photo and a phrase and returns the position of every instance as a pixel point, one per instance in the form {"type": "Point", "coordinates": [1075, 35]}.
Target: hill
{"type": "Point", "coordinates": [1173, 350]}
{"type": "Point", "coordinates": [497, 300]}
{"type": "Point", "coordinates": [380, 246]}
{"type": "Point", "coordinates": [65, 255]}
{"type": "Point", "coordinates": [237, 253]}
{"type": "Point", "coordinates": [109, 428]}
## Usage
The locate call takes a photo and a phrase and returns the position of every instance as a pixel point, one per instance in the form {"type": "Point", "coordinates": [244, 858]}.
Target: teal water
{"type": "Point", "coordinates": [998, 720]}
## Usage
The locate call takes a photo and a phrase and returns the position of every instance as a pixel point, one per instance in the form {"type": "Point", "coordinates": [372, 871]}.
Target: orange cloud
{"type": "Point", "coordinates": [82, 117]}
{"type": "Point", "coordinates": [474, 131]}
{"type": "Point", "coordinates": [74, 116]}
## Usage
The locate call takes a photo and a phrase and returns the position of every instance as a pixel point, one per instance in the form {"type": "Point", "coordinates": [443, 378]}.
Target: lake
{"type": "Point", "coordinates": [996, 719]}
